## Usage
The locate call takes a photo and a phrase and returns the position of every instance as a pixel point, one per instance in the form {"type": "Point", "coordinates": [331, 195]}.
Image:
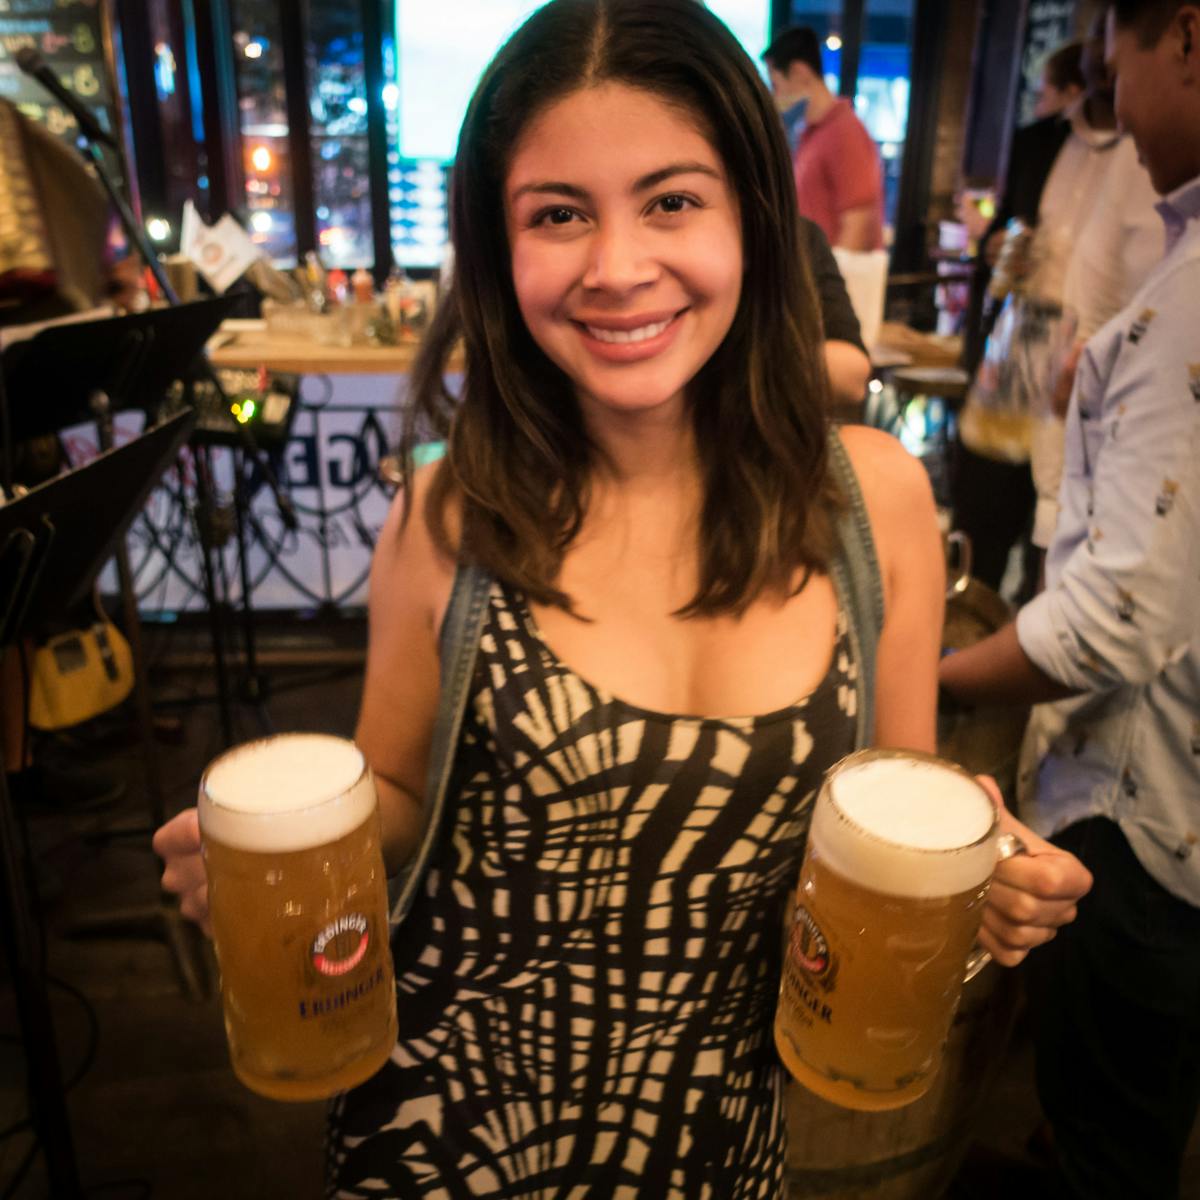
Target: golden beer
{"type": "Point", "coordinates": [899, 859]}
{"type": "Point", "coordinates": [297, 895]}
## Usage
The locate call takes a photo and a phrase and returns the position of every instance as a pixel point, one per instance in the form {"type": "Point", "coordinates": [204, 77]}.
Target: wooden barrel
{"type": "Point", "coordinates": [909, 1153]}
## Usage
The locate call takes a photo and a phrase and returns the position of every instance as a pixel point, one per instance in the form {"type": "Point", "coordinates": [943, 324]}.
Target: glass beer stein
{"type": "Point", "coordinates": [899, 860]}
{"type": "Point", "coordinates": [297, 896]}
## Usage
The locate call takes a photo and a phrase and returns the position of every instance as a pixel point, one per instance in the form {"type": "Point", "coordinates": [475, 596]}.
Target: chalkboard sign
{"type": "Point", "coordinates": [1048, 23]}
{"type": "Point", "coordinates": [69, 35]}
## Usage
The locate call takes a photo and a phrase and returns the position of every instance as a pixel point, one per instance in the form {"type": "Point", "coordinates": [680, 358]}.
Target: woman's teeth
{"type": "Point", "coordinates": [628, 335]}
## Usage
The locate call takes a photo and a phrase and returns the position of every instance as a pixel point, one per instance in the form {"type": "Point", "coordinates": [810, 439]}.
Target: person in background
{"type": "Point", "coordinates": [1058, 166]}
{"type": "Point", "coordinates": [1062, 83]}
{"type": "Point", "coordinates": [1034, 148]}
{"type": "Point", "coordinates": [846, 359]}
{"type": "Point", "coordinates": [839, 179]}
{"type": "Point", "coordinates": [640, 461]}
{"type": "Point", "coordinates": [1110, 652]}
{"type": "Point", "coordinates": [1120, 243]}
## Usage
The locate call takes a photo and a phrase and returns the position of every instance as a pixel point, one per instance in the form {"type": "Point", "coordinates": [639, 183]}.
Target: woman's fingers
{"type": "Point", "coordinates": [1009, 945]}
{"type": "Point", "coordinates": [1032, 894]}
{"type": "Point", "coordinates": [180, 835]}
{"type": "Point", "coordinates": [177, 843]}
{"type": "Point", "coordinates": [194, 906]}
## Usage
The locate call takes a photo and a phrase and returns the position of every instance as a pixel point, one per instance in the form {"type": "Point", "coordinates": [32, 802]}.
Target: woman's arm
{"type": "Point", "coordinates": [409, 590]}
{"type": "Point", "coordinates": [904, 525]}
{"type": "Point", "coordinates": [410, 587]}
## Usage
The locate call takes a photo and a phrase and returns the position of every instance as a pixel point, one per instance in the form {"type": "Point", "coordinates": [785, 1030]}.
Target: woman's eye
{"type": "Point", "coordinates": [554, 216]}
{"type": "Point", "coordinates": [673, 204]}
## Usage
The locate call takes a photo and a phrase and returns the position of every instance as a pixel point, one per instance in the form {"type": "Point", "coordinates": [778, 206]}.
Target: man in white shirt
{"type": "Point", "coordinates": [1114, 642]}
{"type": "Point", "coordinates": [1119, 243]}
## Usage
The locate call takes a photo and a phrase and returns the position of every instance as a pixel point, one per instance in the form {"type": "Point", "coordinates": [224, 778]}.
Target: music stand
{"type": "Point", "coordinates": [53, 542]}
{"type": "Point", "coordinates": [76, 371]}
{"type": "Point", "coordinates": [134, 358]}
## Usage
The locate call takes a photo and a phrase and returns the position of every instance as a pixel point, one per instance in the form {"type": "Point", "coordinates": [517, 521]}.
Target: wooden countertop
{"type": "Point", "coordinates": [247, 345]}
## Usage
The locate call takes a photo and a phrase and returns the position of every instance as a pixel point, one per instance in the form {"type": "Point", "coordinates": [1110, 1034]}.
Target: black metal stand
{"type": "Point", "coordinates": [161, 920]}
{"type": "Point", "coordinates": [22, 945]}
{"type": "Point", "coordinates": [53, 542]}
{"type": "Point", "coordinates": [70, 372]}
{"type": "Point", "coordinates": [96, 368]}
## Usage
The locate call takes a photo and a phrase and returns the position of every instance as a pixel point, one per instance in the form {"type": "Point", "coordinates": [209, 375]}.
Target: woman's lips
{"type": "Point", "coordinates": [629, 341]}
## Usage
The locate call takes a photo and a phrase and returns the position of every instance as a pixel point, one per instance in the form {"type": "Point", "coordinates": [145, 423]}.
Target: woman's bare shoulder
{"type": "Point", "coordinates": [895, 486]}
{"type": "Point", "coordinates": [892, 479]}
{"type": "Point", "coordinates": [409, 566]}
{"type": "Point", "coordinates": [881, 462]}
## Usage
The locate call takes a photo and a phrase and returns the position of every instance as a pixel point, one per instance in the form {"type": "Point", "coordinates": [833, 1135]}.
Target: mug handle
{"type": "Point", "coordinates": [1008, 845]}
{"type": "Point", "coordinates": [961, 560]}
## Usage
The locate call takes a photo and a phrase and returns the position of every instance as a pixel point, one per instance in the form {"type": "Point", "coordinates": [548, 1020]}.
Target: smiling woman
{"type": "Point", "coordinates": [643, 512]}
{"type": "Point", "coordinates": [627, 270]}
{"type": "Point", "coordinates": [580, 98]}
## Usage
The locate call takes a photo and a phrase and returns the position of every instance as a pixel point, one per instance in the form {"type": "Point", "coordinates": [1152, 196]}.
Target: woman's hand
{"type": "Point", "coordinates": [177, 843]}
{"type": "Point", "coordinates": [1032, 895]}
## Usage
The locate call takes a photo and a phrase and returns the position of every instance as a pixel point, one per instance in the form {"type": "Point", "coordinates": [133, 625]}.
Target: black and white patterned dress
{"type": "Point", "coordinates": [587, 983]}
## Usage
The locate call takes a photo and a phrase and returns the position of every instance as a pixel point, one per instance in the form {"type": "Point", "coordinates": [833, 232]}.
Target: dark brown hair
{"type": "Point", "coordinates": [798, 44]}
{"type": "Point", "coordinates": [519, 458]}
{"type": "Point", "coordinates": [1149, 18]}
{"type": "Point", "coordinates": [1064, 66]}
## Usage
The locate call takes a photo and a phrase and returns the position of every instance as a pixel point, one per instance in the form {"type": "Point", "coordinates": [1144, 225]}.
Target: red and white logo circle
{"type": "Point", "coordinates": [810, 951]}
{"type": "Point", "coordinates": [340, 946]}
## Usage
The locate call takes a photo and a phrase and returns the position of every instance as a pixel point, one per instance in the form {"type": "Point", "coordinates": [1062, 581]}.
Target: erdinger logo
{"type": "Point", "coordinates": [810, 951]}
{"type": "Point", "coordinates": [340, 946]}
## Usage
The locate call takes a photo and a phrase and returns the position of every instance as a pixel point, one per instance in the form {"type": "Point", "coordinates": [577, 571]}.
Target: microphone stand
{"type": "Point", "coordinates": [255, 689]}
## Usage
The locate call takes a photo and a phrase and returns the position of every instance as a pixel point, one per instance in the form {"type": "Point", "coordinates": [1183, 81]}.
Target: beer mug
{"type": "Point", "coordinates": [297, 895]}
{"type": "Point", "coordinates": [899, 859]}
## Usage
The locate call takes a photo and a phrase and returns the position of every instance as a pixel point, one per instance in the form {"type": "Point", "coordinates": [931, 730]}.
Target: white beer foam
{"type": "Point", "coordinates": [893, 821]}
{"type": "Point", "coordinates": [289, 792]}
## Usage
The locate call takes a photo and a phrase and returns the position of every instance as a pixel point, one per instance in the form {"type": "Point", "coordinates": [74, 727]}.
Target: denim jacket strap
{"type": "Point", "coordinates": [855, 571]}
{"type": "Point", "coordinates": [461, 629]}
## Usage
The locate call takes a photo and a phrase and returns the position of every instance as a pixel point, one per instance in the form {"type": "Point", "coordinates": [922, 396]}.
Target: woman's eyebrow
{"type": "Point", "coordinates": [645, 183]}
{"type": "Point", "coordinates": [681, 168]}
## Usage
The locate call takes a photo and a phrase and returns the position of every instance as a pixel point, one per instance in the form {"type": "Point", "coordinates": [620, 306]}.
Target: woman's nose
{"type": "Point", "coordinates": [619, 259]}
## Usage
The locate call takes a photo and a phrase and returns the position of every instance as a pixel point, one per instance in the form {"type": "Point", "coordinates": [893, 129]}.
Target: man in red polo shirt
{"type": "Point", "coordinates": [839, 179]}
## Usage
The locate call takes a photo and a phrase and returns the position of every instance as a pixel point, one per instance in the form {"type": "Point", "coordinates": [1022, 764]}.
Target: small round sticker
{"type": "Point", "coordinates": [340, 946]}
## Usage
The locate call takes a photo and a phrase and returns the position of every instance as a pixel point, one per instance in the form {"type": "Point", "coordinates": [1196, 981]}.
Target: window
{"type": "Point", "coordinates": [338, 108]}
{"type": "Point", "coordinates": [881, 99]}
{"type": "Point", "coordinates": [433, 54]}
{"type": "Point", "coordinates": [262, 121]}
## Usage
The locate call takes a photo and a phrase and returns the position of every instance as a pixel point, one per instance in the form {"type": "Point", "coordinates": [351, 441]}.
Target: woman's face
{"type": "Point", "coordinates": [626, 246]}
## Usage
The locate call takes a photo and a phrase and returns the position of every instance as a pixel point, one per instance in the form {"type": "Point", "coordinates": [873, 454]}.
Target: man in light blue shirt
{"type": "Point", "coordinates": [1113, 762]}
